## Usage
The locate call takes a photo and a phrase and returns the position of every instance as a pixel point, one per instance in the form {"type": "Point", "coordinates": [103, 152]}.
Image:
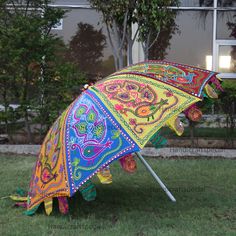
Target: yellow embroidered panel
{"type": "Point", "coordinates": [141, 104]}
{"type": "Point", "coordinates": [49, 178]}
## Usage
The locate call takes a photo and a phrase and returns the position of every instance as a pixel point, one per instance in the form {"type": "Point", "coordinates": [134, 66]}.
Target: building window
{"type": "Point", "coordinates": [225, 22]}
{"type": "Point", "coordinates": [206, 39]}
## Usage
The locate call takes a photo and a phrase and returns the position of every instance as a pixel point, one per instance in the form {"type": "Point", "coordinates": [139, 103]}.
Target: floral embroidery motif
{"type": "Point", "coordinates": [141, 105]}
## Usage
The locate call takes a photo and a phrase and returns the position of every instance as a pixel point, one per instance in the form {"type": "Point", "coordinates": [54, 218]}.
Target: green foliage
{"type": "Point", "coordinates": [150, 16]}
{"type": "Point", "coordinates": [133, 204]}
{"type": "Point", "coordinates": [86, 48]}
{"type": "Point", "coordinates": [33, 69]}
{"type": "Point", "coordinates": [227, 103]}
{"type": "Point", "coordinates": [153, 15]}
{"type": "Point", "coordinates": [115, 10]}
{"type": "Point", "coordinates": [61, 85]}
{"type": "Point", "coordinates": [228, 98]}
{"type": "Point", "coordinates": [230, 85]}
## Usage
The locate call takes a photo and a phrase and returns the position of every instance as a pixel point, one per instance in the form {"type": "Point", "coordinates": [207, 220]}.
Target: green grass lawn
{"type": "Point", "coordinates": [134, 204]}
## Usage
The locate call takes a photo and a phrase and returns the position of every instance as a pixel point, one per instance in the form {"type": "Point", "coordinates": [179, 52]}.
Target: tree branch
{"type": "Point", "coordinates": [135, 35]}
{"type": "Point", "coordinates": [114, 51]}
{"type": "Point", "coordinates": [116, 34]}
{"type": "Point", "coordinates": [124, 29]}
{"type": "Point", "coordinates": [110, 40]}
{"type": "Point", "coordinates": [153, 42]}
{"type": "Point", "coordinates": [27, 6]}
{"type": "Point", "coordinates": [14, 6]}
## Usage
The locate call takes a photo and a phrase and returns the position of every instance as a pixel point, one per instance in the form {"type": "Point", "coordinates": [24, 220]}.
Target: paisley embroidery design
{"type": "Point", "coordinates": [190, 79]}
{"type": "Point", "coordinates": [93, 139]}
{"type": "Point", "coordinates": [50, 176]}
{"type": "Point", "coordinates": [140, 107]}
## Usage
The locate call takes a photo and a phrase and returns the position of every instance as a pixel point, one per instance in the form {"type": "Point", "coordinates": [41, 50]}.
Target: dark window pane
{"type": "Point", "coordinates": [226, 25]}
{"type": "Point", "coordinates": [227, 59]}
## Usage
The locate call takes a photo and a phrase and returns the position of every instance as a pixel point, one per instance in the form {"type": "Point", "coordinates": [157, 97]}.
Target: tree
{"type": "Point", "coordinates": [152, 18]}
{"type": "Point", "coordinates": [119, 15]}
{"type": "Point", "coordinates": [62, 83]}
{"type": "Point", "coordinates": [29, 65]}
{"type": "Point", "coordinates": [25, 40]}
{"type": "Point", "coordinates": [115, 16]}
{"type": "Point", "coordinates": [86, 48]}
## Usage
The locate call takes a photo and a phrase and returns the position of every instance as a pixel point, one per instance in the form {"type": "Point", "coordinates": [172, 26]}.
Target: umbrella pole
{"type": "Point", "coordinates": [156, 177]}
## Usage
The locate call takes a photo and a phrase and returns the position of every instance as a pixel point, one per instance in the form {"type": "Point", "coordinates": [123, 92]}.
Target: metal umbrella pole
{"type": "Point", "coordinates": [168, 193]}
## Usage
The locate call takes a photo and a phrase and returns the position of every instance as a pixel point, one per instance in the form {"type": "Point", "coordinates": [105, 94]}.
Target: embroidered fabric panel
{"type": "Point", "coordinates": [49, 178]}
{"type": "Point", "coordinates": [141, 105]}
{"type": "Point", "coordinates": [93, 139]}
{"type": "Point", "coordinates": [190, 79]}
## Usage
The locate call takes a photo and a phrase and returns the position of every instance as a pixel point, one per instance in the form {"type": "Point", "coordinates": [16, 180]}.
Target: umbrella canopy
{"type": "Point", "coordinates": [115, 117]}
{"type": "Point", "coordinates": [188, 78]}
{"type": "Point", "coordinates": [142, 104]}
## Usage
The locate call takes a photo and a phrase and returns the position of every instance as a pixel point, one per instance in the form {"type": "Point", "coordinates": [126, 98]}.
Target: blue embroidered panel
{"type": "Point", "coordinates": [93, 139]}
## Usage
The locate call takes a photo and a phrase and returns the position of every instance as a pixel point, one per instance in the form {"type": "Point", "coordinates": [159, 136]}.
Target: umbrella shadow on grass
{"type": "Point", "coordinates": [119, 200]}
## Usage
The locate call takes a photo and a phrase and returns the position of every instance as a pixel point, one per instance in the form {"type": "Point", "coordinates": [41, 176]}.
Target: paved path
{"type": "Point", "coordinates": [148, 151]}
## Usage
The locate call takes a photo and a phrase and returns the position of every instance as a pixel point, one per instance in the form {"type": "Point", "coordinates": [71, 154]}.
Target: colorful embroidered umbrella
{"type": "Point", "coordinates": [188, 78]}
{"type": "Point", "coordinates": [111, 119]}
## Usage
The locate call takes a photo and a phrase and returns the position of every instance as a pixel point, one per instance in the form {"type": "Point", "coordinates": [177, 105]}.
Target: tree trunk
{"type": "Point", "coordinates": [116, 61]}
{"type": "Point", "coordinates": [130, 43]}
{"type": "Point", "coordinates": [121, 61]}
{"type": "Point", "coordinates": [146, 53]}
{"type": "Point", "coordinates": [145, 50]}
{"type": "Point", "coordinates": [147, 44]}
{"type": "Point", "coordinates": [130, 56]}
{"type": "Point", "coordinates": [117, 42]}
